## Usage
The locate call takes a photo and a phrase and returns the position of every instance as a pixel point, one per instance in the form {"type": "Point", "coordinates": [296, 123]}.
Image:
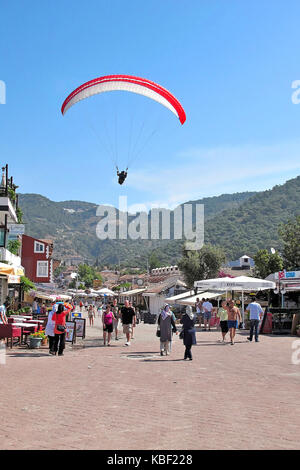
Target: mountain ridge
{"type": "Point", "coordinates": [240, 222]}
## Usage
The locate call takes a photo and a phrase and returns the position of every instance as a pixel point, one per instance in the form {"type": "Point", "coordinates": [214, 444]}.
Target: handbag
{"type": "Point", "coordinates": [158, 332]}
{"type": "Point", "coordinates": [61, 328]}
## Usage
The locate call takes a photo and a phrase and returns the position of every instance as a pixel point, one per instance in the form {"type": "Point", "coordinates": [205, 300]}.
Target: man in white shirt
{"type": "Point", "coordinates": [207, 307]}
{"type": "Point", "coordinates": [255, 316]}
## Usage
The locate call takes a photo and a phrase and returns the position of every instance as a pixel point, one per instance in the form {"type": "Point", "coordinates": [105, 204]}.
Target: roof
{"type": "Point", "coordinates": [131, 292]}
{"type": "Point", "coordinates": [207, 295]}
{"type": "Point", "coordinates": [46, 240]}
{"type": "Point", "coordinates": [175, 298]}
{"type": "Point", "coordinates": [157, 289]}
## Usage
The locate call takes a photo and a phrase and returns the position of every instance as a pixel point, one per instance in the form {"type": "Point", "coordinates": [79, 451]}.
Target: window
{"type": "Point", "coordinates": [39, 247]}
{"type": "Point", "coordinates": [42, 269]}
{"type": "Point", "coordinates": [2, 237]}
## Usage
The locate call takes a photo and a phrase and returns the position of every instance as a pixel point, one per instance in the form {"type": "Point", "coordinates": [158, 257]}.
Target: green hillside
{"type": "Point", "coordinates": [254, 225]}
{"type": "Point", "coordinates": [240, 223]}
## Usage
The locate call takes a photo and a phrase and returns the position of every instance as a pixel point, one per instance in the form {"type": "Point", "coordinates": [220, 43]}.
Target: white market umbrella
{"type": "Point", "coordinates": [106, 291]}
{"type": "Point", "coordinates": [240, 283]}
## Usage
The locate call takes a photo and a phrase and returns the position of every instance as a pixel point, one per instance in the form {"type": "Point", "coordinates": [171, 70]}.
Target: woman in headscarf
{"type": "Point", "coordinates": [188, 321]}
{"type": "Point", "coordinates": [166, 325]}
{"type": "Point", "coordinates": [49, 331]}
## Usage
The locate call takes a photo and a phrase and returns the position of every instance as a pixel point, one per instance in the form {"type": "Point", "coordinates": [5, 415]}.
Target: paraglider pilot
{"type": "Point", "coordinates": [122, 176]}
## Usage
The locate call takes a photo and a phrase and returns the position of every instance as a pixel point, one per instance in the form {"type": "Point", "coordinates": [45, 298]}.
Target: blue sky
{"type": "Point", "coordinates": [230, 63]}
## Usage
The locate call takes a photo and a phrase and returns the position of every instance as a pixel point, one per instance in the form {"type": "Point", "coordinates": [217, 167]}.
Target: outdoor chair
{"type": "Point", "coordinates": [9, 332]}
{"type": "Point", "coordinates": [28, 330]}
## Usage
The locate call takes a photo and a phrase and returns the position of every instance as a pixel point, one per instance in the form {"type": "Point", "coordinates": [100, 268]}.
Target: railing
{"type": "Point", "coordinates": [7, 187]}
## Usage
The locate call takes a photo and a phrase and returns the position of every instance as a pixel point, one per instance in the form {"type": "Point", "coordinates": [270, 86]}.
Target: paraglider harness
{"type": "Point", "coordinates": [122, 176]}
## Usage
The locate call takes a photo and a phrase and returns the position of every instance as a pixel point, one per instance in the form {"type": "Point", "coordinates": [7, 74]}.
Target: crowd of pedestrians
{"type": "Point", "coordinates": [115, 317]}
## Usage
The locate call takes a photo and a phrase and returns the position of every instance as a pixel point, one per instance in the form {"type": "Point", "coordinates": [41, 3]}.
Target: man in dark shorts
{"type": "Point", "coordinates": [234, 317]}
{"type": "Point", "coordinates": [128, 320]}
{"type": "Point", "coordinates": [223, 316]}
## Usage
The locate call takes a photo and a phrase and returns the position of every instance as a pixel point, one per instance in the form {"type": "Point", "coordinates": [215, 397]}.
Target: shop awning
{"type": "Point", "coordinates": [175, 298]}
{"type": "Point", "coordinates": [7, 270]}
{"type": "Point", "coordinates": [132, 292]}
{"type": "Point", "coordinates": [201, 295]}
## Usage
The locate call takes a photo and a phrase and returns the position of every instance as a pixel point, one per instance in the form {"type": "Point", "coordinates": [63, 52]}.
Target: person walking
{"type": "Point", "coordinates": [133, 326]}
{"type": "Point", "coordinates": [59, 318]}
{"type": "Point", "coordinates": [100, 310]}
{"type": "Point", "coordinates": [34, 306]}
{"type": "Point", "coordinates": [115, 310]}
{"type": "Point", "coordinates": [166, 325]}
{"type": "Point", "coordinates": [49, 330]}
{"type": "Point", "coordinates": [128, 320]}
{"type": "Point", "coordinates": [223, 316]}
{"type": "Point", "coordinates": [107, 321]}
{"type": "Point", "coordinates": [198, 306]}
{"type": "Point", "coordinates": [255, 316]}
{"type": "Point", "coordinates": [188, 333]}
{"type": "Point", "coordinates": [234, 318]}
{"type": "Point", "coordinates": [91, 315]}
{"type": "Point", "coordinates": [207, 307]}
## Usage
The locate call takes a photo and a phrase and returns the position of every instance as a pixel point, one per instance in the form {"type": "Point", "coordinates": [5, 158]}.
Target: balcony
{"type": "Point", "coordinates": [7, 208]}
{"type": "Point", "coordinates": [8, 198]}
{"type": "Point", "coordinates": [10, 258]}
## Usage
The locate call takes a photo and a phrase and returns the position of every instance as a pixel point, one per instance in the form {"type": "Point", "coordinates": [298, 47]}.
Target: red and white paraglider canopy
{"type": "Point", "coordinates": [129, 83]}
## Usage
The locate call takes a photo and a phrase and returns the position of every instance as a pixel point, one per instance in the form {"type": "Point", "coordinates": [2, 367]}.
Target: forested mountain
{"type": "Point", "coordinates": [240, 223]}
{"type": "Point", "coordinates": [254, 225]}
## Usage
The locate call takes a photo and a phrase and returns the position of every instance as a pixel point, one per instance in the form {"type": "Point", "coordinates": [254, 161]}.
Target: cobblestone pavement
{"type": "Point", "coordinates": [244, 396]}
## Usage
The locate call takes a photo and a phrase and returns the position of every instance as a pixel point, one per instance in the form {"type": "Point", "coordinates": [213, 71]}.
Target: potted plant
{"type": "Point", "coordinates": [35, 339]}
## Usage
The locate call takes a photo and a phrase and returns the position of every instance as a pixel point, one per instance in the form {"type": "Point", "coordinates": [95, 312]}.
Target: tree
{"type": "Point", "coordinates": [290, 235]}
{"type": "Point", "coordinates": [267, 263]}
{"type": "Point", "coordinates": [13, 246]}
{"type": "Point", "coordinates": [201, 264]}
{"type": "Point", "coordinates": [26, 284]}
{"type": "Point", "coordinates": [154, 261]}
{"type": "Point", "coordinates": [86, 274]}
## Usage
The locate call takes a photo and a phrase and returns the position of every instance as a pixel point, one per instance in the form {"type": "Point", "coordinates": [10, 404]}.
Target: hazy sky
{"type": "Point", "coordinates": [230, 63]}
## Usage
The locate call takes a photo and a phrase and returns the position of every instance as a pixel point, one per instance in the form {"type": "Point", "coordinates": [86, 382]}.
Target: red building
{"type": "Point", "coordinates": [37, 259]}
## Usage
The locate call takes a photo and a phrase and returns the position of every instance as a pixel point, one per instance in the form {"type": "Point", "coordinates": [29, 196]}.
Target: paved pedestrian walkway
{"type": "Point", "coordinates": [244, 396]}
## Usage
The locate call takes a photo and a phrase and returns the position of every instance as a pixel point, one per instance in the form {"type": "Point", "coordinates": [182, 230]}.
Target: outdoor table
{"type": "Point", "coordinates": [39, 322]}
{"type": "Point", "coordinates": [24, 325]}
{"type": "Point", "coordinates": [17, 317]}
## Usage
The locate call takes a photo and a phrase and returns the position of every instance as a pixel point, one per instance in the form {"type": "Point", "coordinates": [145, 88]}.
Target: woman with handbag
{"type": "Point", "coordinates": [60, 329]}
{"type": "Point", "coordinates": [166, 325]}
{"type": "Point", "coordinates": [108, 319]}
{"type": "Point", "coordinates": [188, 333]}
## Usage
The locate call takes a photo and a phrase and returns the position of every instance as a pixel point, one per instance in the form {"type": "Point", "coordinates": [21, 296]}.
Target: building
{"type": "Point", "coordinates": [155, 295]}
{"type": "Point", "coordinates": [37, 259]}
{"type": "Point", "coordinates": [243, 263]}
{"type": "Point", "coordinates": [10, 263]}
{"type": "Point", "coordinates": [165, 270]}
{"type": "Point", "coordinates": [74, 261]}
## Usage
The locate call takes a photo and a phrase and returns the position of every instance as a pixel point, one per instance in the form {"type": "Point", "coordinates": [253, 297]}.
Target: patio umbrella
{"type": "Point", "coordinates": [240, 284]}
{"type": "Point", "coordinates": [106, 291]}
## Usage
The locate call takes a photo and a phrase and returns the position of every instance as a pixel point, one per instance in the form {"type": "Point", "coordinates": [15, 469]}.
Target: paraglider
{"type": "Point", "coordinates": [122, 176]}
{"type": "Point", "coordinates": [130, 84]}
